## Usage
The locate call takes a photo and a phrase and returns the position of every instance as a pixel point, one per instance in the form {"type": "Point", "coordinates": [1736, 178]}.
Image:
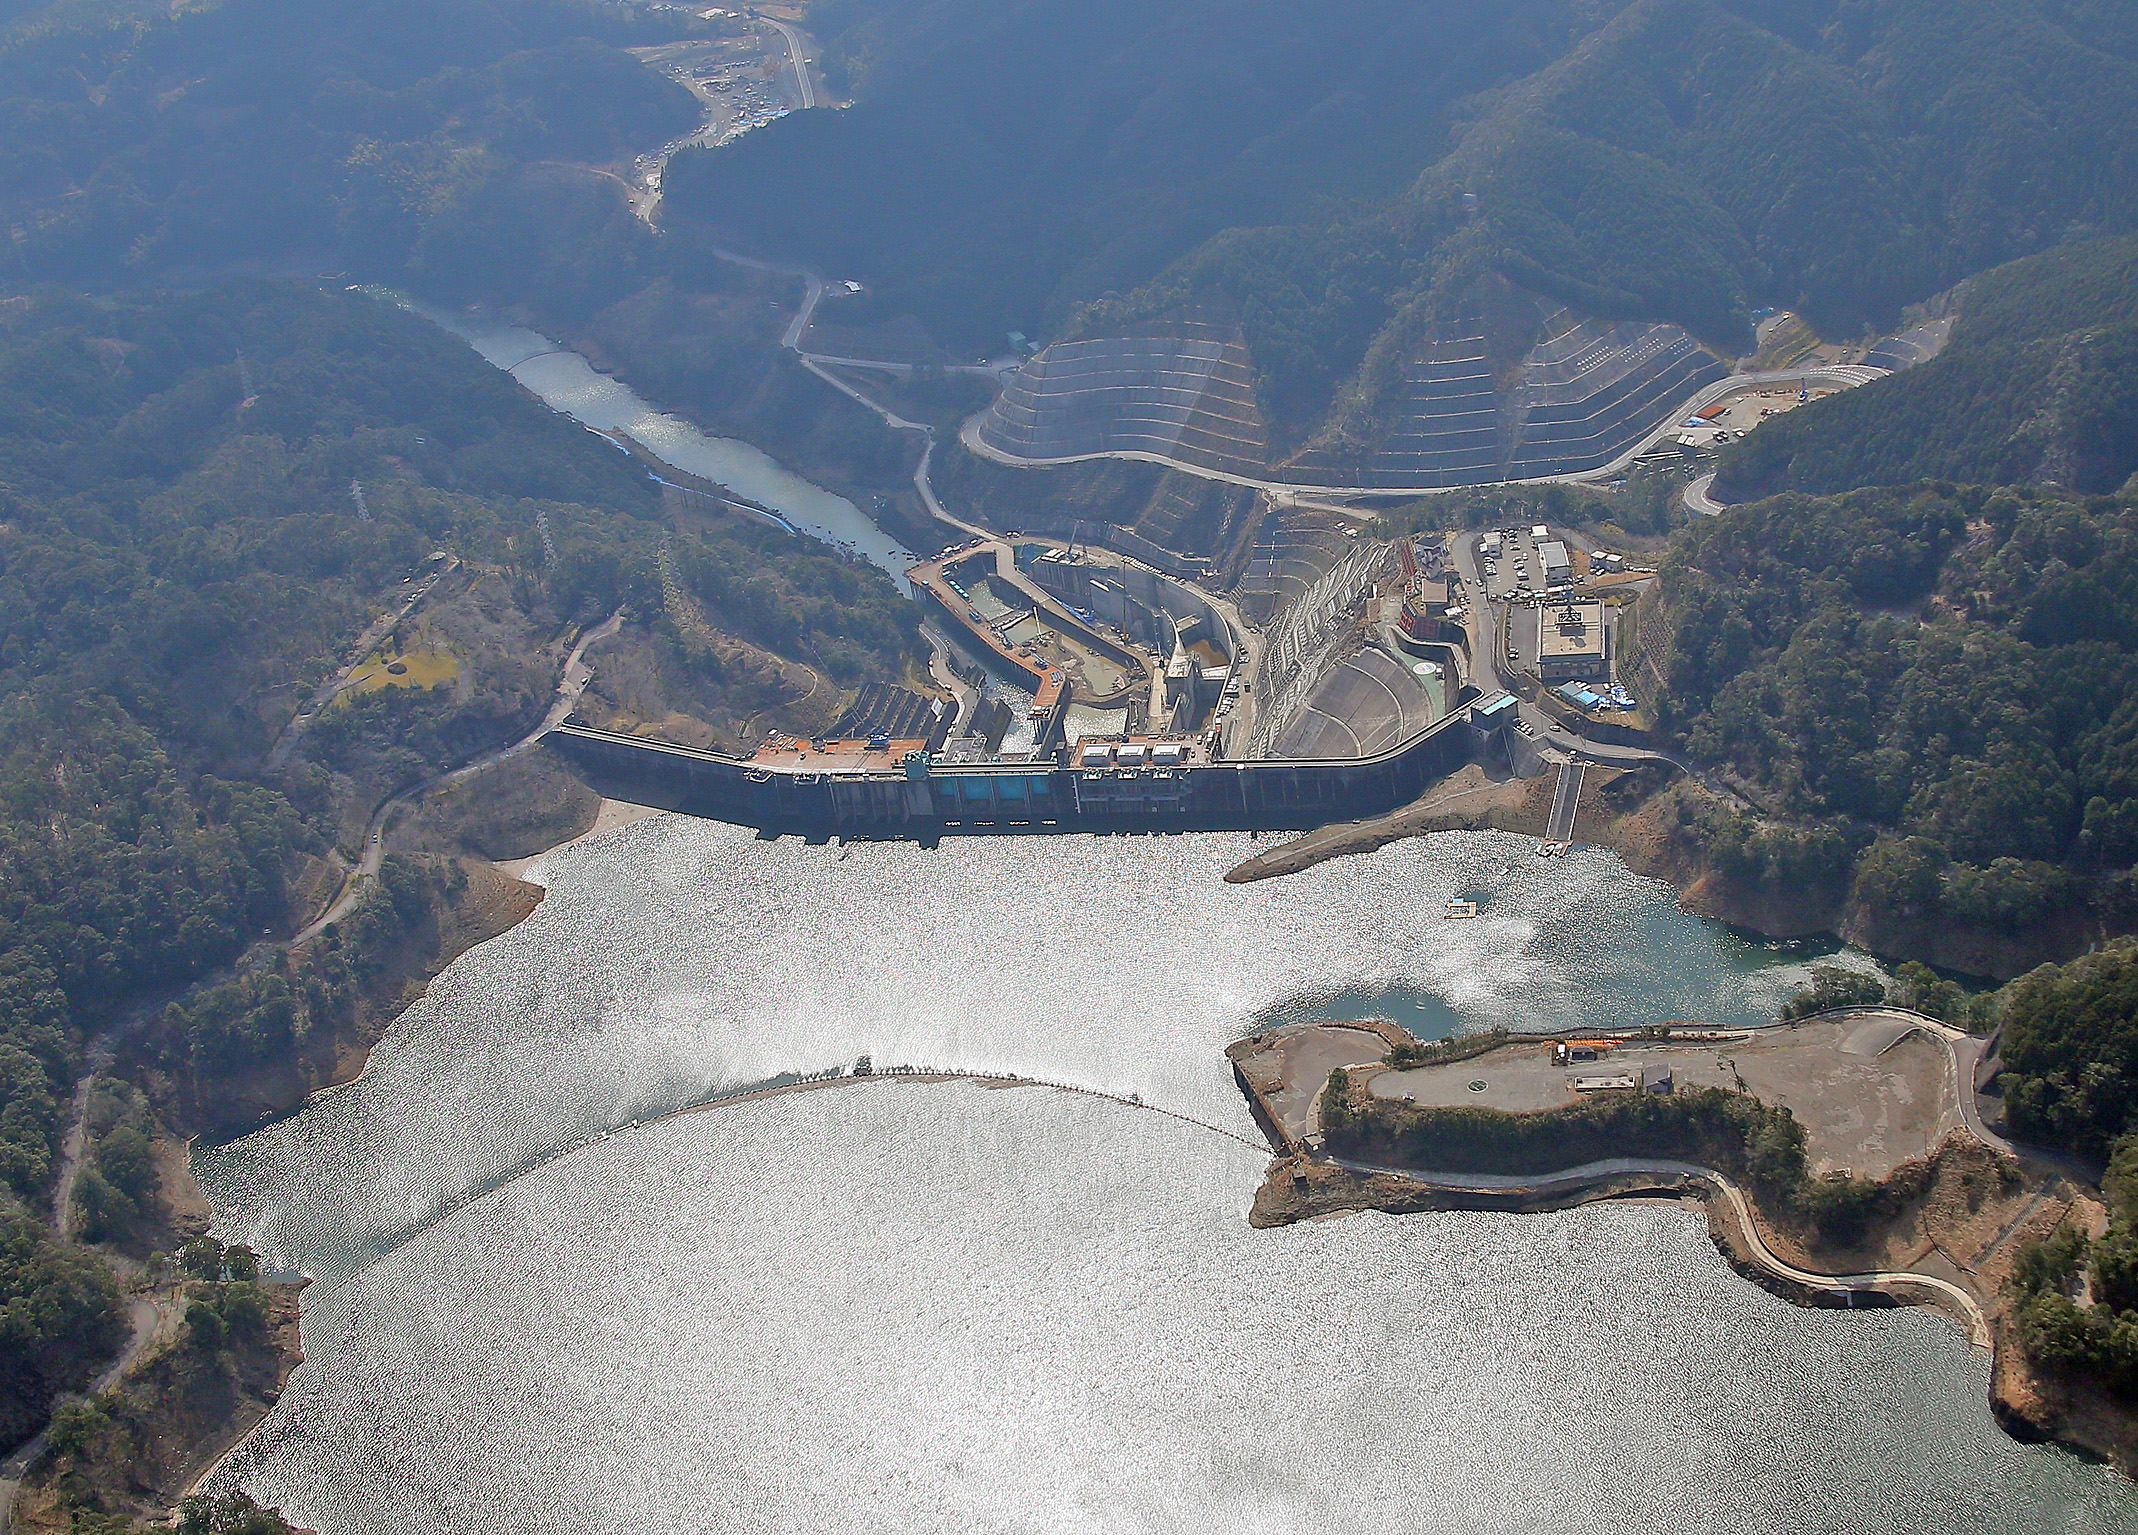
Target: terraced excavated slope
{"type": "Point", "coordinates": [1183, 394]}
{"type": "Point", "coordinates": [1909, 348]}
{"type": "Point", "coordinates": [1590, 391]}
{"type": "Point", "coordinates": [1293, 549]}
{"type": "Point", "coordinates": [1584, 394]}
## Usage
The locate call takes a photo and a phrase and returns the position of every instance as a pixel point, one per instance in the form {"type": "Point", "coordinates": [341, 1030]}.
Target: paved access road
{"type": "Point", "coordinates": [794, 56]}
{"type": "Point", "coordinates": [1566, 798]}
{"type": "Point", "coordinates": [821, 364]}
{"type": "Point", "coordinates": [1967, 1052]}
{"type": "Point", "coordinates": [1964, 1050]}
{"type": "Point", "coordinates": [1291, 492]}
{"type": "Point", "coordinates": [1698, 500]}
{"type": "Point", "coordinates": [1573, 1179]}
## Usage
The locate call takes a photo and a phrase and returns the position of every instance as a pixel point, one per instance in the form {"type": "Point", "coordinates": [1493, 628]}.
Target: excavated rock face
{"type": "Point", "coordinates": [1182, 392]}
{"type": "Point", "coordinates": [1509, 387]}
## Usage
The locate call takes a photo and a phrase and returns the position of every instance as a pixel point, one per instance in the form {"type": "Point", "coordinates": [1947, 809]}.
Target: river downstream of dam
{"type": "Point", "coordinates": [567, 383]}
{"type": "Point", "coordinates": [906, 1306]}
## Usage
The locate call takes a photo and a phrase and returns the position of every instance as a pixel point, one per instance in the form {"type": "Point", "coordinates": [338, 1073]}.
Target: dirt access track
{"type": "Point", "coordinates": [1871, 1093]}
{"type": "Point", "coordinates": [1877, 1093]}
{"type": "Point", "coordinates": [1874, 1090]}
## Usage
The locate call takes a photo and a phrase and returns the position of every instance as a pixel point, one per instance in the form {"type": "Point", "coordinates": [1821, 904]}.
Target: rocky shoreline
{"type": "Point", "coordinates": [191, 1420]}
{"type": "Point", "coordinates": [1648, 815]}
{"type": "Point", "coordinates": [2030, 1404]}
{"type": "Point", "coordinates": [1953, 1222]}
{"type": "Point", "coordinates": [169, 1415]}
{"type": "Point", "coordinates": [1632, 812]}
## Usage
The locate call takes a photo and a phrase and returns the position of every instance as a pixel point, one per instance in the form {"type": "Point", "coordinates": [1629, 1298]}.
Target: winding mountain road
{"type": "Point", "coordinates": [1667, 1172]}
{"type": "Point", "coordinates": [1294, 493]}
{"type": "Point", "coordinates": [1698, 499]}
{"type": "Point", "coordinates": [150, 1320]}
{"type": "Point", "coordinates": [821, 365]}
{"type": "Point", "coordinates": [570, 685]}
{"type": "Point", "coordinates": [1484, 619]}
{"type": "Point", "coordinates": [1964, 1051]}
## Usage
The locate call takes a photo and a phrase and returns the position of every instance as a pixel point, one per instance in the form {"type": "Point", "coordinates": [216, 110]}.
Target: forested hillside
{"type": "Point", "coordinates": [2070, 1046]}
{"type": "Point", "coordinates": [1006, 162]}
{"type": "Point", "coordinates": [394, 139]}
{"type": "Point", "coordinates": [217, 469]}
{"type": "Point", "coordinates": [2071, 1053]}
{"type": "Point", "coordinates": [2039, 383]}
{"type": "Point", "coordinates": [182, 558]}
{"type": "Point", "coordinates": [214, 476]}
{"type": "Point", "coordinates": [1332, 179]}
{"type": "Point", "coordinates": [220, 463]}
{"type": "Point", "coordinates": [1930, 689]}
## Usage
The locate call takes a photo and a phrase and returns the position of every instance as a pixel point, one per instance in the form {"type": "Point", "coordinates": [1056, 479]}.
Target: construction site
{"type": "Point", "coordinates": [1211, 630]}
{"type": "Point", "coordinates": [1183, 393]}
{"type": "Point", "coordinates": [1890, 1106]}
{"type": "Point", "coordinates": [1177, 643]}
{"type": "Point", "coordinates": [1513, 387]}
{"type": "Point", "coordinates": [1326, 675]}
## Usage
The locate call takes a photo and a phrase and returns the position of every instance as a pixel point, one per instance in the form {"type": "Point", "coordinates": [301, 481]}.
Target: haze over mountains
{"type": "Point", "coordinates": [1063, 168]}
{"type": "Point", "coordinates": [392, 140]}
{"type": "Point", "coordinates": [1916, 655]}
{"type": "Point", "coordinates": [2039, 383]}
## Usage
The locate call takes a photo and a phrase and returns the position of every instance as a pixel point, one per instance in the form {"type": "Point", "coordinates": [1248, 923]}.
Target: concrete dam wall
{"type": "Point", "coordinates": [925, 799]}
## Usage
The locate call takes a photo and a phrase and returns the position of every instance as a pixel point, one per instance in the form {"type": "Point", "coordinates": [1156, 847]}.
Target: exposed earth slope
{"type": "Point", "coordinates": [1336, 185]}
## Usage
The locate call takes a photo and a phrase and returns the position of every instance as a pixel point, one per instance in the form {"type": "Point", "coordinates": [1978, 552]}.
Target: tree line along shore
{"type": "Point", "coordinates": [1901, 674]}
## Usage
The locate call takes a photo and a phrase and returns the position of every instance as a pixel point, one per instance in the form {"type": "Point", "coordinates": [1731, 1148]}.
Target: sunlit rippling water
{"type": "Point", "coordinates": [909, 1307]}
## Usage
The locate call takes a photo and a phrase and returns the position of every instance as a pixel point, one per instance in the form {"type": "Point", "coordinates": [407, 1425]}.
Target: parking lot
{"type": "Point", "coordinates": [1516, 571]}
{"type": "Point", "coordinates": [1743, 411]}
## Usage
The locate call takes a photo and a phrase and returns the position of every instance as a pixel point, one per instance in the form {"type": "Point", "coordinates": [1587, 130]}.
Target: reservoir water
{"type": "Point", "coordinates": [568, 383]}
{"type": "Point", "coordinates": [910, 1307]}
